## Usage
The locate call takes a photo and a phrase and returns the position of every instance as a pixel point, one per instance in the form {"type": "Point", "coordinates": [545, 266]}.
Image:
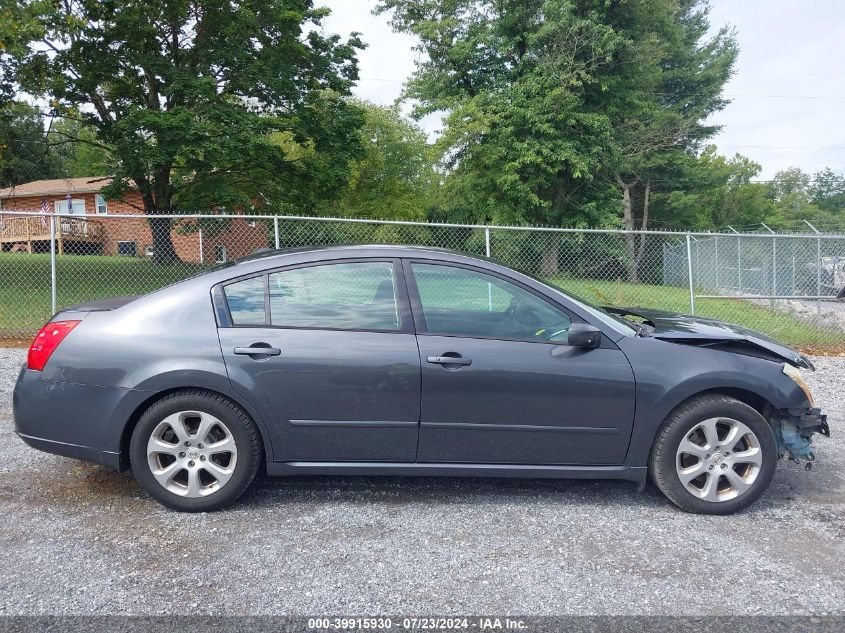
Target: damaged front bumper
{"type": "Point", "coordinates": [794, 433]}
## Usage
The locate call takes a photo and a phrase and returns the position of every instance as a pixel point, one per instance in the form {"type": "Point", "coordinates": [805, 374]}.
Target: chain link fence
{"type": "Point", "coordinates": [782, 285]}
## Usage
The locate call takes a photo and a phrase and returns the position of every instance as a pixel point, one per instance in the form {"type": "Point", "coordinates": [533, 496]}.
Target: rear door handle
{"type": "Point", "coordinates": [449, 360]}
{"type": "Point", "coordinates": [258, 350]}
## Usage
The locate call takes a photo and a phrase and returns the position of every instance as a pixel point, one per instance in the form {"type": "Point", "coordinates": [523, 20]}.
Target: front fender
{"type": "Point", "coordinates": [668, 374]}
{"type": "Point", "coordinates": [774, 391]}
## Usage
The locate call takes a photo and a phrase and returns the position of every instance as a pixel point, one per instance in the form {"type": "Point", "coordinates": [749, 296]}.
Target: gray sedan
{"type": "Point", "coordinates": [408, 361]}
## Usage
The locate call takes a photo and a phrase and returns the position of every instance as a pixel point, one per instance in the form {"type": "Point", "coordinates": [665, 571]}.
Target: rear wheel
{"type": "Point", "coordinates": [713, 455]}
{"type": "Point", "coordinates": [195, 451]}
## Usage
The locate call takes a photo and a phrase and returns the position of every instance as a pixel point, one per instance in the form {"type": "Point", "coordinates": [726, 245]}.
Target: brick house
{"type": "Point", "coordinates": [94, 225]}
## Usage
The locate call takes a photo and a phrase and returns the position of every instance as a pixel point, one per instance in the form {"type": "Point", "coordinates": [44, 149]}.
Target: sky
{"type": "Point", "coordinates": [788, 90]}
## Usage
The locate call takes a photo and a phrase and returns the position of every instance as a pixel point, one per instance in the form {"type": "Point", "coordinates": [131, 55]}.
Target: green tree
{"type": "Point", "coordinates": [77, 150]}
{"type": "Point", "coordinates": [565, 111]}
{"type": "Point", "coordinates": [713, 191]}
{"type": "Point", "coordinates": [188, 94]}
{"type": "Point", "coordinates": [509, 78]}
{"type": "Point", "coordinates": [827, 192]}
{"type": "Point", "coordinates": [393, 177]}
{"type": "Point", "coordinates": [671, 81]}
{"type": "Point", "coordinates": [797, 199]}
{"type": "Point", "coordinates": [24, 152]}
{"type": "Point", "coordinates": [790, 182]}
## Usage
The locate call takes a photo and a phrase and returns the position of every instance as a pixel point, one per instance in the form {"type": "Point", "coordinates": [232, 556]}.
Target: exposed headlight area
{"type": "Point", "coordinates": [794, 432]}
{"type": "Point", "coordinates": [795, 374]}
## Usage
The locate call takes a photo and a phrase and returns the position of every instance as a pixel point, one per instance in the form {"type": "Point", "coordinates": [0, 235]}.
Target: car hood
{"type": "Point", "coordinates": [683, 328]}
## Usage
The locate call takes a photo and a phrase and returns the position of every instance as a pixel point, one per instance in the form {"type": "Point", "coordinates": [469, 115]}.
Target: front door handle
{"type": "Point", "coordinates": [258, 349]}
{"type": "Point", "coordinates": [449, 360]}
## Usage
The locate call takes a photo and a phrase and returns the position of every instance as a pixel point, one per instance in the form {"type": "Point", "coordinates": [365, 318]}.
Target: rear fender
{"type": "Point", "coordinates": [167, 382]}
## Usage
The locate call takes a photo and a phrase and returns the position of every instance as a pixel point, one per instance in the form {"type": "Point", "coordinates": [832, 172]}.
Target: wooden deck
{"type": "Point", "coordinates": [26, 230]}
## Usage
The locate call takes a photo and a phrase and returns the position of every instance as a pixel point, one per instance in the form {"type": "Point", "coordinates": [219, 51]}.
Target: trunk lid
{"type": "Point", "coordinates": [101, 305]}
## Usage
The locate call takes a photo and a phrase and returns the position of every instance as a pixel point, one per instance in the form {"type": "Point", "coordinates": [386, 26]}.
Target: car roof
{"type": "Point", "coordinates": [394, 249]}
{"type": "Point", "coordinates": [272, 258]}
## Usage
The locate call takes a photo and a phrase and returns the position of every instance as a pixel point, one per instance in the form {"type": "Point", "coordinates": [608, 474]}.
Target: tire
{"type": "Point", "coordinates": [698, 479]}
{"type": "Point", "coordinates": [195, 451]}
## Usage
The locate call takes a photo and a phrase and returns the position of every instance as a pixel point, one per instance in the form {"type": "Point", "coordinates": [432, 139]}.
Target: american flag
{"type": "Point", "coordinates": [45, 209]}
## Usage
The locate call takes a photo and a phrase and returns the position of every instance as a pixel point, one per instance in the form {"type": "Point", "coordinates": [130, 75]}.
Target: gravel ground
{"type": "Point", "coordinates": [82, 539]}
{"type": "Point", "coordinates": [830, 314]}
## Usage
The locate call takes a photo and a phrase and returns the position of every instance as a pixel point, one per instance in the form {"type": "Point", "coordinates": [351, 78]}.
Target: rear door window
{"type": "Point", "coordinates": [345, 296]}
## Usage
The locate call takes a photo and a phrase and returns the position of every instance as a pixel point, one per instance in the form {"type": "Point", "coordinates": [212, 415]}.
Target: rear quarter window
{"type": "Point", "coordinates": [246, 301]}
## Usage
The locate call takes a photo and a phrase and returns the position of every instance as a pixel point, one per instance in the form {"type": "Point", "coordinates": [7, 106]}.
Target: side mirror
{"type": "Point", "coordinates": [584, 335]}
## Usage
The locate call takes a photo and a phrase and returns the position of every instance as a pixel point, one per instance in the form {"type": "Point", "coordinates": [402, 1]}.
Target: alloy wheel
{"type": "Point", "coordinates": [192, 454]}
{"type": "Point", "coordinates": [719, 459]}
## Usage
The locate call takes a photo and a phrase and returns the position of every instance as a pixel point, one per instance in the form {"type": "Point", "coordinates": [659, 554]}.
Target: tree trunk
{"type": "Point", "coordinates": [628, 222]}
{"type": "Point", "coordinates": [643, 227]}
{"type": "Point", "coordinates": [163, 250]}
{"type": "Point", "coordinates": [154, 201]}
{"type": "Point", "coordinates": [550, 263]}
{"type": "Point", "coordinates": [550, 260]}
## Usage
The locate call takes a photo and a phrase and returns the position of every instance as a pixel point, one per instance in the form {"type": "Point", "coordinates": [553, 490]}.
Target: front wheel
{"type": "Point", "coordinates": [713, 455]}
{"type": "Point", "coordinates": [195, 451]}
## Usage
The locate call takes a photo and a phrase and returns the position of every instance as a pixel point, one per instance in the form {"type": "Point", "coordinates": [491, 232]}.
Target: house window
{"type": "Point", "coordinates": [77, 207]}
{"type": "Point", "coordinates": [126, 248]}
{"type": "Point", "coordinates": [100, 201]}
{"type": "Point", "coordinates": [220, 254]}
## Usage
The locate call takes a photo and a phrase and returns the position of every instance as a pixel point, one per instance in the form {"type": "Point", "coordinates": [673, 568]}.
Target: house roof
{"type": "Point", "coordinates": [57, 187]}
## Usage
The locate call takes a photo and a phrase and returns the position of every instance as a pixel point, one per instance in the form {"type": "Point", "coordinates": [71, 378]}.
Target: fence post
{"type": "Point", "coordinates": [819, 277]}
{"type": "Point", "coordinates": [489, 285]}
{"type": "Point", "coordinates": [718, 267]}
{"type": "Point", "coordinates": [53, 263]}
{"type": "Point", "coordinates": [202, 251]}
{"type": "Point", "coordinates": [689, 275]}
{"type": "Point", "coordinates": [774, 262]}
{"type": "Point", "coordinates": [738, 260]}
{"type": "Point", "coordinates": [818, 271]}
{"type": "Point", "coordinates": [276, 229]}
{"type": "Point", "coordinates": [774, 269]}
{"type": "Point", "coordinates": [697, 261]}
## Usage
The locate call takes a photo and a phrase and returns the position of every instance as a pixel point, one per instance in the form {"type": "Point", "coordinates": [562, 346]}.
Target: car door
{"type": "Point", "coordinates": [327, 353]}
{"type": "Point", "coordinates": [500, 384]}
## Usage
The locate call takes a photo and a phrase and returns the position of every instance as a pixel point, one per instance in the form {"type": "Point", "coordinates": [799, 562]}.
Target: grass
{"type": "Point", "coordinates": [25, 284]}
{"type": "Point", "coordinates": [780, 326]}
{"type": "Point", "coordinates": [25, 295]}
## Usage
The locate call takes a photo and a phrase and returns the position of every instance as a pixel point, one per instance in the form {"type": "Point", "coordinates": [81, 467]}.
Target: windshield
{"type": "Point", "coordinates": [621, 325]}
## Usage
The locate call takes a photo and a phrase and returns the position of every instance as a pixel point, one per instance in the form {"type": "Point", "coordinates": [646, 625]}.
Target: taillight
{"type": "Point", "coordinates": [46, 342]}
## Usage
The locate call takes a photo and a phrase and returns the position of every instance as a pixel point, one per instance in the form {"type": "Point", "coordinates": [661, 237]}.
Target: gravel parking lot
{"type": "Point", "coordinates": [82, 539]}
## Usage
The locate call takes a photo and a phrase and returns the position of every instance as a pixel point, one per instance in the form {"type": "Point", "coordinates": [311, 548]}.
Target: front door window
{"type": "Point", "coordinates": [463, 302]}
